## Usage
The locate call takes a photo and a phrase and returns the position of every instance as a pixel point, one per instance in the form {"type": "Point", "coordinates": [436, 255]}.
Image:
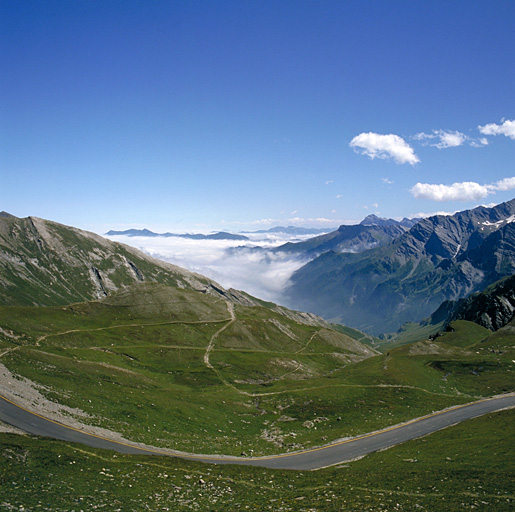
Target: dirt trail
{"type": "Point", "coordinates": [209, 349]}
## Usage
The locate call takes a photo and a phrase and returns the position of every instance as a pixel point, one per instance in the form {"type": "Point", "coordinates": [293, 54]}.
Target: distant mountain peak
{"type": "Point", "coordinates": [221, 235]}
{"type": "Point", "coordinates": [374, 220]}
{"type": "Point", "coordinates": [7, 215]}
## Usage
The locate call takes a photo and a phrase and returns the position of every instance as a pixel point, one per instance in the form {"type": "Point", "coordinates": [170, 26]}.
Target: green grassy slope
{"type": "Point", "coordinates": [46, 263]}
{"type": "Point", "coordinates": [136, 362]}
{"type": "Point", "coordinates": [466, 467]}
{"type": "Point", "coordinates": [190, 371]}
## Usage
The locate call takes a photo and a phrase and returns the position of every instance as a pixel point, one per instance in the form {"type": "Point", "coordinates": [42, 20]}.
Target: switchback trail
{"type": "Point", "coordinates": [316, 458]}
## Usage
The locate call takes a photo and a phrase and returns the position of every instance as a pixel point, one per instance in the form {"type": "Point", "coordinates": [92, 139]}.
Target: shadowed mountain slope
{"type": "Point", "coordinates": [440, 258]}
{"type": "Point", "coordinates": [492, 308]}
{"type": "Point", "coordinates": [371, 232]}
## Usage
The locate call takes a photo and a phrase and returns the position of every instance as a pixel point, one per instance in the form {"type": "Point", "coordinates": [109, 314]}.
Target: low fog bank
{"type": "Point", "coordinates": [233, 264]}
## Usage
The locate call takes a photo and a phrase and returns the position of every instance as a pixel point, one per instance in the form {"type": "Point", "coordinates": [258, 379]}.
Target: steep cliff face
{"type": "Point", "coordinates": [440, 258]}
{"type": "Point", "coordinates": [492, 308]}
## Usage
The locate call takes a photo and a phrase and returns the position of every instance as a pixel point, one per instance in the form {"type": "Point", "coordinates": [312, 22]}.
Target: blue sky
{"type": "Point", "coordinates": [208, 115]}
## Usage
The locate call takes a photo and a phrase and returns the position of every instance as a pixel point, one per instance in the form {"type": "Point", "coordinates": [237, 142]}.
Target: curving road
{"type": "Point", "coordinates": [315, 458]}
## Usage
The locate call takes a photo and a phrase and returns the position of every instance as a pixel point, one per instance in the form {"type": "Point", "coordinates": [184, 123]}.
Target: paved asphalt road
{"type": "Point", "coordinates": [306, 460]}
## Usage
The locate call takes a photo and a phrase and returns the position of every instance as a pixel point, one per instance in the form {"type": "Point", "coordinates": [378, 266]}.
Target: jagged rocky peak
{"type": "Point", "coordinates": [374, 220]}
{"type": "Point", "coordinates": [440, 258]}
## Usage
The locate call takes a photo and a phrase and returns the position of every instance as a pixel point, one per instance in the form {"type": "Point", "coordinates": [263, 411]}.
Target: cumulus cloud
{"type": "Point", "coordinates": [450, 139]}
{"type": "Point", "coordinates": [443, 139]}
{"type": "Point", "coordinates": [463, 191]}
{"type": "Point", "coordinates": [447, 139]}
{"type": "Point", "coordinates": [506, 128]}
{"type": "Point", "coordinates": [505, 184]}
{"type": "Point", "coordinates": [375, 145]}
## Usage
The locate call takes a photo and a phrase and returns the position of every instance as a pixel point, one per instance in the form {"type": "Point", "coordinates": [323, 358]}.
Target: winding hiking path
{"type": "Point", "coordinates": [209, 349]}
{"type": "Point", "coordinates": [316, 458]}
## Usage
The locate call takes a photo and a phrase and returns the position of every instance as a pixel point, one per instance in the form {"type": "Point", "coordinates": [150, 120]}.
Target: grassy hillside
{"type": "Point", "coordinates": [179, 369]}
{"type": "Point", "coordinates": [466, 467]}
{"type": "Point", "coordinates": [46, 263]}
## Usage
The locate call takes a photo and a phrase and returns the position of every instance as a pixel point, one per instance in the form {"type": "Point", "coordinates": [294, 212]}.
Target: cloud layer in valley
{"type": "Point", "coordinates": [261, 273]}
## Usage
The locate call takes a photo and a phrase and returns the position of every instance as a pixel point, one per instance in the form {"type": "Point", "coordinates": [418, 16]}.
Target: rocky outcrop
{"type": "Point", "coordinates": [493, 308]}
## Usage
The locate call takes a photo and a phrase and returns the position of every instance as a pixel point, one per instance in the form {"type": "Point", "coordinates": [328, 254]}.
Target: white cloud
{"type": "Point", "coordinates": [479, 143]}
{"type": "Point", "coordinates": [447, 139]}
{"type": "Point", "coordinates": [387, 181]}
{"type": "Point", "coordinates": [505, 184]}
{"type": "Point", "coordinates": [263, 274]}
{"type": "Point", "coordinates": [375, 205]}
{"type": "Point", "coordinates": [506, 128]}
{"type": "Point", "coordinates": [423, 215]}
{"type": "Point", "coordinates": [375, 145]}
{"type": "Point", "coordinates": [450, 139]}
{"type": "Point", "coordinates": [318, 221]}
{"type": "Point", "coordinates": [463, 191]}
{"type": "Point", "coordinates": [328, 182]}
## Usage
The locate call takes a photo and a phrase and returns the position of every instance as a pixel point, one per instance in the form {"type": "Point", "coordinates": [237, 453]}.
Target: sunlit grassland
{"type": "Point", "coordinates": [136, 364]}
{"type": "Point", "coordinates": [469, 466]}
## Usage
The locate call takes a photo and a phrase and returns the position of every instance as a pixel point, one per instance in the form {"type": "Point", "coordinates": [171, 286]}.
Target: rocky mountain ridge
{"type": "Point", "coordinates": [46, 263]}
{"type": "Point", "coordinates": [492, 308]}
{"type": "Point", "coordinates": [371, 232]}
{"type": "Point", "coordinates": [440, 258]}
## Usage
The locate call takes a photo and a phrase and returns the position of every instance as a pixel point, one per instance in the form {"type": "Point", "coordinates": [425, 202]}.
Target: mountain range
{"type": "Point", "coordinates": [409, 274]}
{"type": "Point", "coordinates": [372, 231]}
{"type": "Point", "coordinates": [221, 235]}
{"type": "Point", "coordinates": [406, 279]}
{"type": "Point", "coordinates": [44, 263]}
